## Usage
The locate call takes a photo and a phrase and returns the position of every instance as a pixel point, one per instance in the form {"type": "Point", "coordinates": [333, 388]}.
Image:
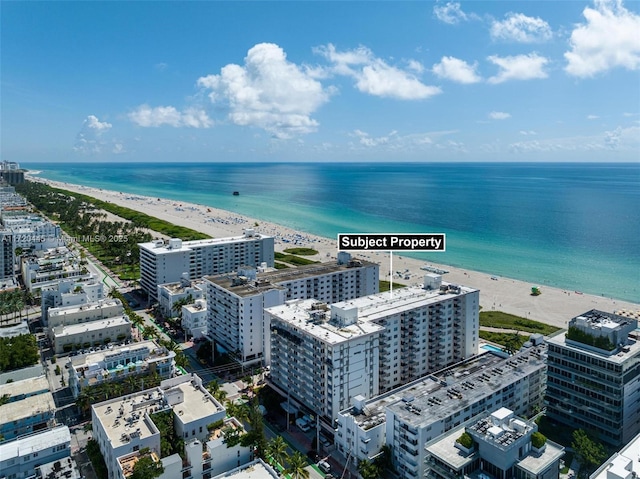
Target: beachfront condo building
{"type": "Point", "coordinates": [236, 302]}
{"type": "Point", "coordinates": [69, 292]}
{"type": "Point", "coordinates": [594, 376]}
{"type": "Point", "coordinates": [118, 363]}
{"type": "Point", "coordinates": [321, 360]}
{"type": "Point", "coordinates": [125, 425]}
{"type": "Point", "coordinates": [166, 262]}
{"type": "Point", "coordinates": [500, 445]}
{"type": "Point", "coordinates": [408, 417]}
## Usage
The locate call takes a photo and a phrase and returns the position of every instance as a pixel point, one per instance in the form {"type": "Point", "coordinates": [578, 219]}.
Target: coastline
{"type": "Point", "coordinates": [554, 306]}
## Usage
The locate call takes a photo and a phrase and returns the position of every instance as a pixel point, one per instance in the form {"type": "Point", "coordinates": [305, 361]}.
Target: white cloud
{"type": "Point", "coordinates": [521, 28]}
{"type": "Point", "coordinates": [394, 141]}
{"type": "Point", "coordinates": [456, 70]}
{"type": "Point", "coordinates": [450, 13]}
{"type": "Point", "coordinates": [499, 115]}
{"type": "Point", "coordinates": [416, 66]}
{"type": "Point", "coordinates": [374, 76]}
{"type": "Point", "coordinates": [268, 92]}
{"type": "Point", "coordinates": [592, 117]}
{"type": "Point", "coordinates": [527, 132]}
{"type": "Point", "coordinates": [147, 116]}
{"type": "Point", "coordinates": [519, 67]}
{"type": "Point", "coordinates": [607, 40]}
{"type": "Point", "coordinates": [621, 140]}
{"type": "Point", "coordinates": [89, 138]}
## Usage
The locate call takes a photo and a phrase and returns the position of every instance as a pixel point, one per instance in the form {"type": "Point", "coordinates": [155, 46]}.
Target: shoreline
{"type": "Point", "coordinates": [554, 306]}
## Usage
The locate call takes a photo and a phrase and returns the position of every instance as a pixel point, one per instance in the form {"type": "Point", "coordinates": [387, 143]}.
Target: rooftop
{"type": "Point", "coordinates": [382, 305]}
{"type": "Point", "coordinates": [182, 286]}
{"type": "Point", "coordinates": [197, 403]}
{"type": "Point", "coordinates": [440, 394]}
{"type": "Point", "coordinates": [35, 442]}
{"type": "Point", "coordinates": [624, 464]}
{"type": "Point", "coordinates": [26, 386]}
{"type": "Point", "coordinates": [16, 330]}
{"type": "Point", "coordinates": [274, 279]}
{"type": "Point", "coordinates": [256, 469]}
{"type": "Point", "coordinates": [62, 469]}
{"type": "Point", "coordinates": [308, 316]}
{"type": "Point", "coordinates": [95, 306]}
{"type": "Point", "coordinates": [157, 247]}
{"type": "Point", "coordinates": [27, 407]}
{"type": "Point", "coordinates": [100, 324]}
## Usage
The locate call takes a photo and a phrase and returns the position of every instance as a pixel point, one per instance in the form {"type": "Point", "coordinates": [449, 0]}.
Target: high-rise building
{"type": "Point", "coordinates": [7, 266]}
{"type": "Point", "coordinates": [162, 262]}
{"type": "Point", "coordinates": [236, 303]}
{"type": "Point", "coordinates": [594, 376]}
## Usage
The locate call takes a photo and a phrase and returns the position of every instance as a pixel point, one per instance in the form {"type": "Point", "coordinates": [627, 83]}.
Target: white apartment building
{"type": "Point", "coordinates": [169, 294]}
{"type": "Point", "coordinates": [408, 417]}
{"type": "Point", "coordinates": [162, 263]}
{"type": "Point", "coordinates": [92, 334]}
{"type": "Point", "coordinates": [236, 303]}
{"type": "Point", "coordinates": [43, 269]}
{"type": "Point", "coordinates": [70, 292]}
{"type": "Point", "coordinates": [322, 360]}
{"type": "Point", "coordinates": [202, 458]}
{"type": "Point", "coordinates": [594, 378]}
{"type": "Point", "coordinates": [194, 319]}
{"type": "Point", "coordinates": [624, 464]}
{"type": "Point", "coordinates": [20, 458]}
{"type": "Point", "coordinates": [125, 425]}
{"type": "Point", "coordinates": [115, 364]}
{"type": "Point", "coordinates": [32, 232]}
{"type": "Point", "coordinates": [502, 448]}
{"type": "Point", "coordinates": [425, 328]}
{"type": "Point", "coordinates": [84, 313]}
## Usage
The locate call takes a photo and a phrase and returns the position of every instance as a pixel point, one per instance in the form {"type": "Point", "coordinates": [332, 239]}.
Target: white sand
{"type": "Point", "coordinates": [554, 306]}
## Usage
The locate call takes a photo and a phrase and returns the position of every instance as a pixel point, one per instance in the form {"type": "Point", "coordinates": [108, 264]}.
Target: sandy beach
{"type": "Point", "coordinates": [554, 306]}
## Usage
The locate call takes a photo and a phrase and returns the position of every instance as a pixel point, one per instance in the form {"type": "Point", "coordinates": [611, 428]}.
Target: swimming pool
{"type": "Point", "coordinates": [491, 347]}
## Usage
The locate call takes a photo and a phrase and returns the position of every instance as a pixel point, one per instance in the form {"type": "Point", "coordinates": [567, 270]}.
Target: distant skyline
{"type": "Point", "coordinates": [119, 81]}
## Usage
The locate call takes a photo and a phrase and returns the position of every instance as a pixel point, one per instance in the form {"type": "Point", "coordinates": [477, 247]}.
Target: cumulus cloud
{"type": "Point", "coordinates": [608, 39]}
{"type": "Point", "coordinates": [450, 13]}
{"type": "Point", "coordinates": [147, 116]}
{"type": "Point", "coordinates": [268, 92]}
{"type": "Point", "coordinates": [394, 141]}
{"type": "Point", "coordinates": [89, 138]}
{"type": "Point", "coordinates": [456, 70]}
{"type": "Point", "coordinates": [521, 28]}
{"type": "Point", "coordinates": [519, 67]}
{"type": "Point", "coordinates": [499, 115]}
{"type": "Point", "coordinates": [621, 140]}
{"type": "Point", "coordinates": [374, 76]}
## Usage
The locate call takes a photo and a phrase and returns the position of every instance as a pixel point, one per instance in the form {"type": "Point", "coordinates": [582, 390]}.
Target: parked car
{"type": "Point", "coordinates": [324, 466]}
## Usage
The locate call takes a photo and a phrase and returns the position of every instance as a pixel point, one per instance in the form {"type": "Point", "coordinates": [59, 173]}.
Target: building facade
{"type": "Point", "coordinates": [594, 376]}
{"type": "Point", "coordinates": [171, 293]}
{"type": "Point", "coordinates": [162, 263]}
{"type": "Point", "coordinates": [236, 303]}
{"type": "Point", "coordinates": [91, 334]}
{"type": "Point", "coordinates": [20, 458]}
{"type": "Point", "coordinates": [69, 292]}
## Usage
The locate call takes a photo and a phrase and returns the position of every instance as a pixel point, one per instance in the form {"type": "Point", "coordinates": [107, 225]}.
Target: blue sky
{"type": "Point", "coordinates": [320, 81]}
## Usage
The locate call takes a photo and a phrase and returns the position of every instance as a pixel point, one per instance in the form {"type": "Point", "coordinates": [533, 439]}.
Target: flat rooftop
{"type": "Point", "coordinates": [180, 287]}
{"type": "Point", "coordinates": [164, 248]}
{"type": "Point", "coordinates": [440, 394]}
{"type": "Point", "coordinates": [629, 351]}
{"type": "Point", "coordinates": [254, 470]}
{"type": "Point", "coordinates": [269, 280]}
{"type": "Point", "coordinates": [197, 403]}
{"type": "Point", "coordinates": [27, 407]}
{"type": "Point", "coordinates": [622, 463]}
{"type": "Point", "coordinates": [95, 306]}
{"type": "Point", "coordinates": [99, 325]}
{"type": "Point", "coordinates": [26, 386]}
{"type": "Point", "coordinates": [382, 305]}
{"type": "Point", "coordinates": [299, 314]}
{"type": "Point", "coordinates": [16, 330]}
{"type": "Point", "coordinates": [148, 348]}
{"type": "Point", "coordinates": [35, 442]}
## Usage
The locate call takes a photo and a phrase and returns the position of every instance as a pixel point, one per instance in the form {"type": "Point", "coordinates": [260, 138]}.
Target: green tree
{"type": "Point", "coordinates": [146, 468]}
{"type": "Point", "coordinates": [368, 470]}
{"type": "Point", "coordinates": [277, 451]}
{"type": "Point", "coordinates": [589, 453]}
{"type": "Point", "coordinates": [296, 467]}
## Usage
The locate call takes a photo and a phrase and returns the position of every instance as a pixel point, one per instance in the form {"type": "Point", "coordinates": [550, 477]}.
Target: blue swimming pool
{"type": "Point", "coordinates": [490, 347]}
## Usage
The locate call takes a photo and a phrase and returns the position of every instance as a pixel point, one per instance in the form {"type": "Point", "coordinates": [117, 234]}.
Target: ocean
{"type": "Point", "coordinates": [572, 226]}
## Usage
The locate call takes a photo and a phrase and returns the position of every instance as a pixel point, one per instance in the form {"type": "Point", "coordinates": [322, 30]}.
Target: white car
{"type": "Point", "coordinates": [324, 466]}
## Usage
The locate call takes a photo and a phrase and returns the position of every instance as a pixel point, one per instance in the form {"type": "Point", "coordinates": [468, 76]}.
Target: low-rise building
{"type": "Point", "coordinates": [91, 334]}
{"type": "Point", "coordinates": [47, 268]}
{"type": "Point", "coordinates": [83, 313]}
{"type": "Point", "coordinates": [21, 457]}
{"type": "Point", "coordinates": [28, 415]}
{"type": "Point", "coordinates": [594, 376]}
{"type": "Point", "coordinates": [624, 464]}
{"type": "Point", "coordinates": [194, 319]}
{"type": "Point", "coordinates": [115, 364]}
{"type": "Point", "coordinates": [256, 469]}
{"type": "Point", "coordinates": [170, 294]}
{"type": "Point", "coordinates": [33, 232]}
{"type": "Point", "coordinates": [125, 425]}
{"type": "Point", "coordinates": [19, 390]}
{"type": "Point", "coordinates": [70, 292]}
{"type": "Point", "coordinates": [501, 445]}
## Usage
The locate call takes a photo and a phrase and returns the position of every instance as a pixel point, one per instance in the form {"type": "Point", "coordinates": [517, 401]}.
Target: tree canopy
{"type": "Point", "coordinates": [18, 352]}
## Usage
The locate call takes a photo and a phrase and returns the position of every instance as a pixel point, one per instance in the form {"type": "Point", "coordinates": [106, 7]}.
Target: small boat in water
{"type": "Point", "coordinates": [236, 193]}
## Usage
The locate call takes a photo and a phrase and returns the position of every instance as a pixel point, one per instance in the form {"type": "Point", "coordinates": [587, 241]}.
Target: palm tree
{"type": "Point", "coordinates": [368, 470]}
{"type": "Point", "coordinates": [220, 395]}
{"type": "Point", "coordinates": [277, 451]}
{"type": "Point", "coordinates": [213, 387]}
{"type": "Point", "coordinates": [296, 468]}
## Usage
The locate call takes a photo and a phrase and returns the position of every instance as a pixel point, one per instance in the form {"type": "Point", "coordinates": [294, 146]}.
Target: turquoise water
{"type": "Point", "coordinates": [571, 226]}
{"type": "Point", "coordinates": [491, 347]}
